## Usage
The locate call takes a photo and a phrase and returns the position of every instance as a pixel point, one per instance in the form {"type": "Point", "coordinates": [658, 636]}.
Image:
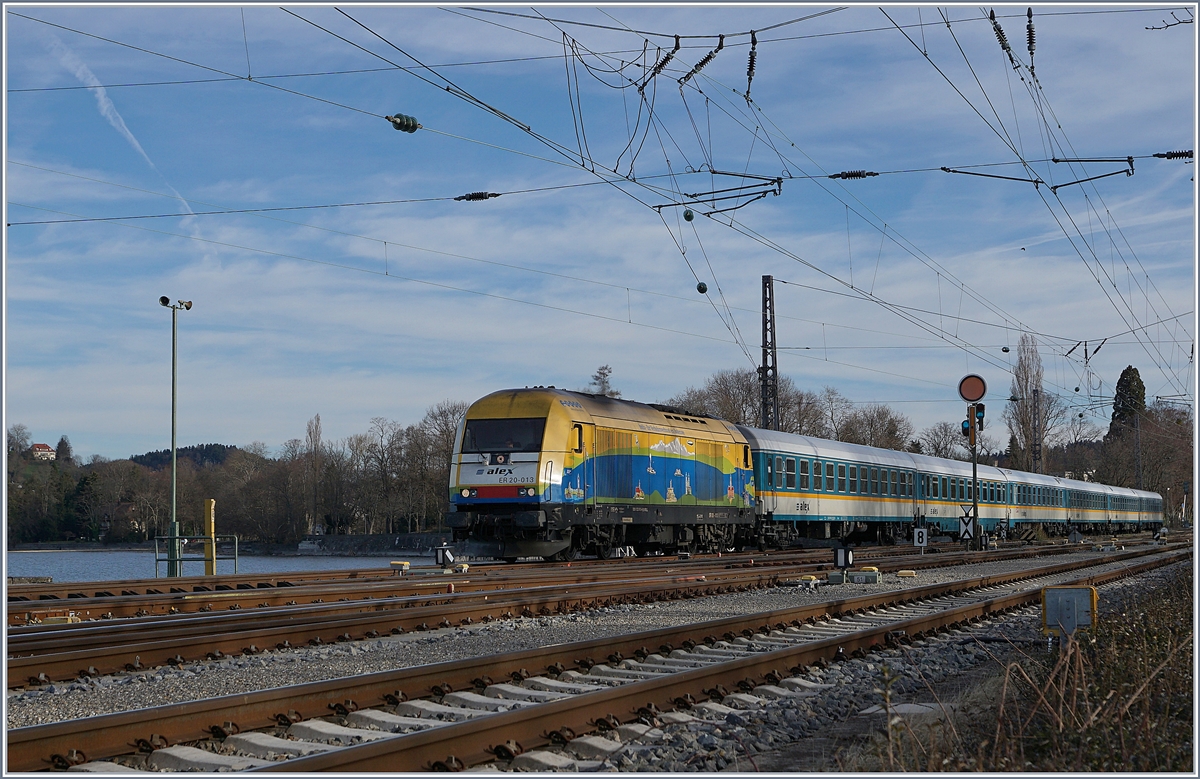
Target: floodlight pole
{"type": "Point", "coordinates": [174, 559]}
{"type": "Point", "coordinates": [173, 562]}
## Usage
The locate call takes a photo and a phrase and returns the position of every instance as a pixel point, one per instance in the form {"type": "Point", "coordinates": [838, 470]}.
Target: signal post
{"type": "Point", "coordinates": [972, 388]}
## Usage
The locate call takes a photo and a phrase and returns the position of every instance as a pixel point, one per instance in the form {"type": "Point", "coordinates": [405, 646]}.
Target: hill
{"type": "Point", "coordinates": [201, 455]}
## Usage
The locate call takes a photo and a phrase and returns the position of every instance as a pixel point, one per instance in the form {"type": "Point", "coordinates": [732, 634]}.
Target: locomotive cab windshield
{"type": "Point", "coordinates": [503, 435]}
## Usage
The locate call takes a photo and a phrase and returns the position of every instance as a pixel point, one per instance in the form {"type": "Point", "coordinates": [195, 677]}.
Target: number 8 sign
{"type": "Point", "coordinates": [920, 536]}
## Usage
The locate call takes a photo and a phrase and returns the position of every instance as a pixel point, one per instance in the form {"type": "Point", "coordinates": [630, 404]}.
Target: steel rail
{"type": "Point", "coordinates": [65, 652]}
{"type": "Point", "coordinates": [471, 743]}
{"type": "Point", "coordinates": [353, 591]}
{"type": "Point", "coordinates": [31, 596]}
{"type": "Point", "coordinates": [31, 748]}
{"type": "Point", "coordinates": [80, 655]}
{"type": "Point", "coordinates": [25, 637]}
{"type": "Point", "coordinates": [71, 592]}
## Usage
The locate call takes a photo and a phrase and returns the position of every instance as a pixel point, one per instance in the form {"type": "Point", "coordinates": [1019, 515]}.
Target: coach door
{"type": "Point", "coordinates": [770, 472]}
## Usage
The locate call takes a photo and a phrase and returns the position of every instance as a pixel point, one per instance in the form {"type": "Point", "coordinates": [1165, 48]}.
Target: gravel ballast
{"type": "Point", "coordinates": [195, 681]}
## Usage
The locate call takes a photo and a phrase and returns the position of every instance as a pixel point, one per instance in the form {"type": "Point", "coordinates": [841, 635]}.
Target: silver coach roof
{"type": "Point", "coordinates": [820, 448]}
{"type": "Point", "coordinates": [839, 450]}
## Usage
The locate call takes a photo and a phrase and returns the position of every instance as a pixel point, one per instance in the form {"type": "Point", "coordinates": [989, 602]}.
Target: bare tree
{"type": "Point", "coordinates": [800, 411]}
{"type": "Point", "coordinates": [732, 395]}
{"type": "Point", "coordinates": [1034, 416]}
{"type": "Point", "coordinates": [878, 425]}
{"type": "Point", "coordinates": [383, 453]}
{"type": "Point", "coordinates": [313, 471]}
{"type": "Point", "coordinates": [836, 409]}
{"type": "Point", "coordinates": [944, 439]}
{"type": "Point", "coordinates": [19, 439]}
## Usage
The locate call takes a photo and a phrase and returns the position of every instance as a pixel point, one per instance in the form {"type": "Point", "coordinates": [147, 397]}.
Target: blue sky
{"type": "Point", "coordinates": [381, 310]}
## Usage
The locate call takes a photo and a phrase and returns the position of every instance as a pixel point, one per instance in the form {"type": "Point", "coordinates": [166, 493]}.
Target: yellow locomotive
{"type": "Point", "coordinates": [552, 473]}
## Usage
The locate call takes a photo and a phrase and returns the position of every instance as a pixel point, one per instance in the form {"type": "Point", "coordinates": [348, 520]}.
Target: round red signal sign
{"type": "Point", "coordinates": [972, 388]}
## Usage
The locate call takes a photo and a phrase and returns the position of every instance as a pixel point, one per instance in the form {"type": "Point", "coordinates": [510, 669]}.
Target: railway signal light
{"type": "Point", "coordinates": [969, 425]}
{"type": "Point", "coordinates": [979, 409]}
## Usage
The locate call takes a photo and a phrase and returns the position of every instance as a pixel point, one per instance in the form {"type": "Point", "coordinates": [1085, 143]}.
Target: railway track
{"type": "Point", "coordinates": [465, 713]}
{"type": "Point", "coordinates": [30, 603]}
{"type": "Point", "coordinates": [41, 654]}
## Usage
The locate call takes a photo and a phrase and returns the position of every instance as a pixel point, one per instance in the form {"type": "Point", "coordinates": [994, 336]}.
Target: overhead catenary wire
{"type": "Point", "coordinates": [454, 288]}
{"type": "Point", "coordinates": [387, 242]}
{"type": "Point", "coordinates": [923, 325]}
{"type": "Point", "coordinates": [1012, 147]}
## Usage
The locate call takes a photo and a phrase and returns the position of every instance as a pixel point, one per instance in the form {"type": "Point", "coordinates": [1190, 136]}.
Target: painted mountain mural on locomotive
{"type": "Point", "coordinates": [659, 469]}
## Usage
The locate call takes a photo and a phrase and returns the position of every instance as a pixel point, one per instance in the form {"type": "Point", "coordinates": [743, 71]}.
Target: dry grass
{"type": "Point", "coordinates": [1119, 699]}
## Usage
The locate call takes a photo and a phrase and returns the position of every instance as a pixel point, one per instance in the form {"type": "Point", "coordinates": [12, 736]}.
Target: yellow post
{"type": "Point", "coordinates": [210, 543]}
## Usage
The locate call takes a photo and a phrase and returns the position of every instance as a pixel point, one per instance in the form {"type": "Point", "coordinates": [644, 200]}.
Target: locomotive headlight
{"type": "Point", "coordinates": [466, 493]}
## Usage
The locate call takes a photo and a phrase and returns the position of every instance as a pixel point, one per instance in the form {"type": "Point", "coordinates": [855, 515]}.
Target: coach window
{"type": "Point", "coordinates": [829, 477]}
{"type": "Point", "coordinates": [970, 489]}
{"type": "Point", "coordinates": [817, 476]}
{"type": "Point", "coordinates": [841, 478]}
{"type": "Point", "coordinates": [778, 473]}
{"type": "Point", "coordinates": [874, 481]}
{"type": "Point", "coordinates": [854, 478]}
{"type": "Point", "coordinates": [931, 489]}
{"type": "Point", "coordinates": [791, 473]}
{"type": "Point", "coordinates": [804, 475]}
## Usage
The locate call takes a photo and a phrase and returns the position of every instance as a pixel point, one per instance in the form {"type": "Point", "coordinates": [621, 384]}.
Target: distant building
{"type": "Point", "coordinates": [43, 452]}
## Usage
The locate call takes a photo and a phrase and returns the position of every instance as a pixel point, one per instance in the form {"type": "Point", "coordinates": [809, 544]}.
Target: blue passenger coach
{"type": "Point", "coordinates": [811, 487]}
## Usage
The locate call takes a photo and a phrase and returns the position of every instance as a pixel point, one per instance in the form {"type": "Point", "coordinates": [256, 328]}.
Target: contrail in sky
{"type": "Point", "coordinates": [109, 111]}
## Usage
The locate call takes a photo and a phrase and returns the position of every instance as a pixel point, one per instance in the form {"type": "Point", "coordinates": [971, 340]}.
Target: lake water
{"type": "Point", "coordinates": [115, 565]}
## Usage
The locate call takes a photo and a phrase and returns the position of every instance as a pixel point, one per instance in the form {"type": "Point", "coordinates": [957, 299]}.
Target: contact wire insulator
{"type": "Point", "coordinates": [750, 64]}
{"type": "Point", "coordinates": [1000, 36]}
{"type": "Point", "coordinates": [1030, 36]}
{"type": "Point", "coordinates": [854, 174]}
{"type": "Point", "coordinates": [478, 196]}
{"type": "Point", "coordinates": [707, 59]}
{"type": "Point", "coordinates": [662, 63]}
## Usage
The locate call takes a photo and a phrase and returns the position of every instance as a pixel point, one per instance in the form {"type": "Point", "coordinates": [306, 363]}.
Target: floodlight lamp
{"type": "Point", "coordinates": [187, 305]}
{"type": "Point", "coordinates": [165, 301]}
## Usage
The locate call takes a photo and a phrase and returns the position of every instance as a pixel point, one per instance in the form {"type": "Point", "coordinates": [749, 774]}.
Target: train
{"type": "Point", "coordinates": [558, 474]}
